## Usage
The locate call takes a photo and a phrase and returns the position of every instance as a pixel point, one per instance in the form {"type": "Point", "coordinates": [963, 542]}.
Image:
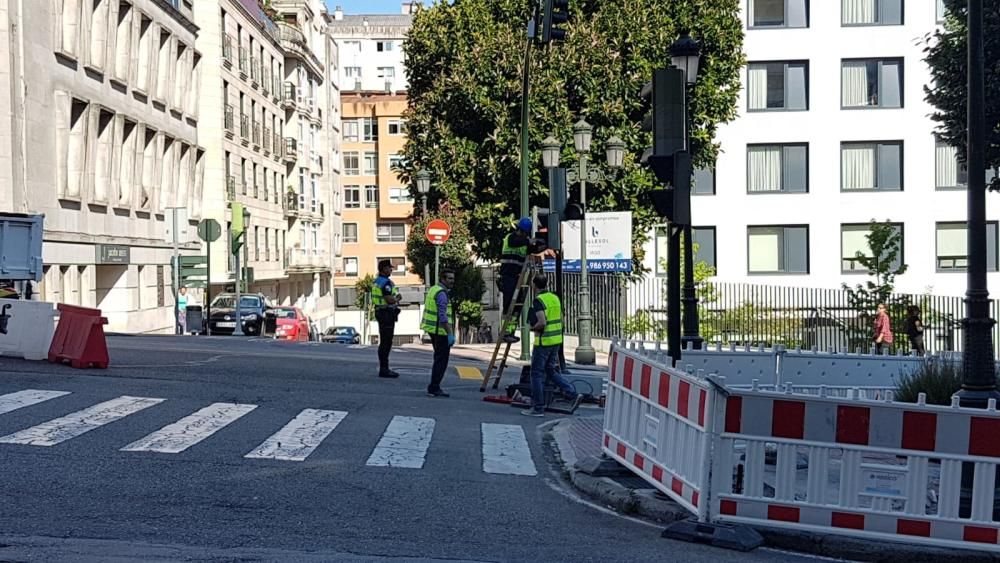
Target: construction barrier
{"type": "Point", "coordinates": [79, 338]}
{"type": "Point", "coordinates": [850, 466]}
{"type": "Point", "coordinates": [26, 328]}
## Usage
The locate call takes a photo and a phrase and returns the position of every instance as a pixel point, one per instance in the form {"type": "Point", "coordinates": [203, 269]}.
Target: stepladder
{"type": "Point", "coordinates": [498, 361]}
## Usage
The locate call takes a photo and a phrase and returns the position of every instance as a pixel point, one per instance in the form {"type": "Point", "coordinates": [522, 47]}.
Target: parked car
{"type": "Point", "coordinates": [342, 335]}
{"type": "Point", "coordinates": [253, 308]}
{"type": "Point", "coordinates": [290, 324]}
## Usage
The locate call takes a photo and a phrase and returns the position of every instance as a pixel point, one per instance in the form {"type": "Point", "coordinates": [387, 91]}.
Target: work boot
{"type": "Point", "coordinates": [510, 339]}
{"type": "Point", "coordinates": [387, 373]}
{"type": "Point", "coordinates": [437, 393]}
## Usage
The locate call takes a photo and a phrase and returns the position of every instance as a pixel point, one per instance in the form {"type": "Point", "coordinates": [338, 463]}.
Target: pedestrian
{"type": "Point", "coordinates": [512, 259]}
{"type": "Point", "coordinates": [385, 299]}
{"type": "Point", "coordinates": [915, 329]}
{"type": "Point", "coordinates": [439, 323]}
{"type": "Point", "coordinates": [882, 330]}
{"type": "Point", "coordinates": [546, 312]}
{"type": "Point", "coordinates": [182, 303]}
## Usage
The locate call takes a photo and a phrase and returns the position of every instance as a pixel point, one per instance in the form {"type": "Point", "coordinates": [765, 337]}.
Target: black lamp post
{"type": "Point", "coordinates": [685, 54]}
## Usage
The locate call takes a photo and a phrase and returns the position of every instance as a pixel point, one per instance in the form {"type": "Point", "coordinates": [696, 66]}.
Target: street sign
{"type": "Point", "coordinates": [438, 232]}
{"type": "Point", "coordinates": [182, 225]}
{"type": "Point", "coordinates": [209, 230]}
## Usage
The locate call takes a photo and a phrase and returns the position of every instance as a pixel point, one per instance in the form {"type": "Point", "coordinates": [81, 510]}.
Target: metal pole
{"type": "Point", "coordinates": [177, 272]}
{"type": "Point", "coordinates": [427, 266]}
{"type": "Point", "coordinates": [525, 92]}
{"type": "Point", "coordinates": [978, 376]}
{"type": "Point", "coordinates": [585, 354]}
{"type": "Point", "coordinates": [208, 287]}
{"type": "Point", "coordinates": [437, 262]}
{"type": "Point", "coordinates": [238, 331]}
{"type": "Point", "coordinates": [674, 293]}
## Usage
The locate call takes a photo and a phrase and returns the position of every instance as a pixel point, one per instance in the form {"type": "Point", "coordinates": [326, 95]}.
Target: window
{"type": "Point", "coordinates": [662, 241]}
{"type": "Point", "coordinates": [854, 239]}
{"type": "Point", "coordinates": [703, 181]}
{"type": "Point", "coordinates": [779, 13]}
{"type": "Point", "coordinates": [871, 12]}
{"type": "Point", "coordinates": [778, 86]}
{"type": "Point", "coordinates": [371, 197]}
{"type": "Point", "coordinates": [704, 241]}
{"type": "Point", "coordinates": [351, 131]}
{"type": "Point", "coordinates": [400, 195]}
{"type": "Point", "coordinates": [350, 232]}
{"type": "Point", "coordinates": [386, 72]}
{"type": "Point", "coordinates": [871, 83]}
{"type": "Point", "coordinates": [371, 164]}
{"type": "Point", "coordinates": [941, 12]}
{"type": "Point", "coordinates": [352, 197]}
{"type": "Point", "coordinates": [352, 166]}
{"type": "Point", "coordinates": [398, 263]}
{"type": "Point", "coordinates": [778, 250]}
{"type": "Point", "coordinates": [370, 129]}
{"type": "Point", "coordinates": [949, 171]}
{"type": "Point", "coordinates": [349, 46]}
{"type": "Point", "coordinates": [390, 232]}
{"type": "Point", "coordinates": [953, 247]}
{"type": "Point", "coordinates": [397, 127]}
{"type": "Point", "coordinates": [352, 72]}
{"type": "Point", "coordinates": [871, 166]}
{"type": "Point", "coordinates": [777, 168]}
{"type": "Point", "coordinates": [383, 46]}
{"type": "Point", "coordinates": [396, 161]}
{"type": "Point", "coordinates": [351, 267]}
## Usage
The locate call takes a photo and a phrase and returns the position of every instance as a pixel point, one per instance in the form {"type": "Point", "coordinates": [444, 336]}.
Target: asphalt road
{"type": "Point", "coordinates": [148, 460]}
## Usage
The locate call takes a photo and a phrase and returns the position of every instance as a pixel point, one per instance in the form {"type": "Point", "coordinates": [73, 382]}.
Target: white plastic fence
{"type": "Point", "coordinates": [30, 327]}
{"type": "Point", "coordinates": [835, 465]}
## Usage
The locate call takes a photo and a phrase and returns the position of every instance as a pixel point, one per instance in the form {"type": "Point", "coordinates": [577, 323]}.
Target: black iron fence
{"type": "Point", "coordinates": [737, 313]}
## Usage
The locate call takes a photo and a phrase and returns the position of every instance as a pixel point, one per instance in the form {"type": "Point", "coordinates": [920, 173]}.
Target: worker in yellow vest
{"type": "Point", "coordinates": [546, 312]}
{"type": "Point", "coordinates": [439, 323]}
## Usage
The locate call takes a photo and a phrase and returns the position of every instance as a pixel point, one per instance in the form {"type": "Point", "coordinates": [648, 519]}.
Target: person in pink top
{"type": "Point", "coordinates": [883, 330]}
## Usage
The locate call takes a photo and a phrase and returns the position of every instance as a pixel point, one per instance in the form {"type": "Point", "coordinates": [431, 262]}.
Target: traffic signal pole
{"type": "Point", "coordinates": [525, 160]}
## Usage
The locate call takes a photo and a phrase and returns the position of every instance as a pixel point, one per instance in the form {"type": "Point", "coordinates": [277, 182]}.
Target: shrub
{"type": "Point", "coordinates": [939, 379]}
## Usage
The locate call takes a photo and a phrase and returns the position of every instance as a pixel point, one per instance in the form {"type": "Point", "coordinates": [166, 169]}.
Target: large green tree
{"type": "Point", "coordinates": [464, 62]}
{"type": "Point", "coordinates": [947, 54]}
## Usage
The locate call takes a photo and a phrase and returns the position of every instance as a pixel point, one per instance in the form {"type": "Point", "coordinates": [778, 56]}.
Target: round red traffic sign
{"type": "Point", "coordinates": [438, 232]}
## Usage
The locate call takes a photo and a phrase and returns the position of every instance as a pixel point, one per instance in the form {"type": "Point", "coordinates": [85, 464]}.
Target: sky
{"type": "Point", "coordinates": [366, 6]}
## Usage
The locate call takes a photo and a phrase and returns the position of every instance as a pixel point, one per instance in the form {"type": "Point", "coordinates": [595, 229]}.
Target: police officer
{"type": "Point", "coordinates": [439, 323]}
{"type": "Point", "coordinates": [385, 300]}
{"type": "Point", "coordinates": [546, 313]}
{"type": "Point", "coordinates": [515, 252]}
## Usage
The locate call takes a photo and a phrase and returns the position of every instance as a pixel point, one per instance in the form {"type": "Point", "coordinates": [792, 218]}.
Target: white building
{"type": "Point", "coordinates": [99, 120]}
{"type": "Point", "coordinates": [834, 131]}
{"type": "Point", "coordinates": [371, 55]}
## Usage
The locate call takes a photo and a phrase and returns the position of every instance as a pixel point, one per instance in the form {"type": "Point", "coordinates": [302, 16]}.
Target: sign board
{"type": "Point", "coordinates": [883, 480]}
{"type": "Point", "coordinates": [438, 232]}
{"type": "Point", "coordinates": [209, 230]}
{"type": "Point", "coordinates": [609, 243]}
{"type": "Point", "coordinates": [183, 234]}
{"type": "Point", "coordinates": [113, 254]}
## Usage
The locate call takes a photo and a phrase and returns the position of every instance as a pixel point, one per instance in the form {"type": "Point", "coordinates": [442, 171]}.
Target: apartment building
{"type": "Point", "coordinates": [831, 134]}
{"type": "Point", "coordinates": [99, 119]}
{"type": "Point", "coordinates": [377, 206]}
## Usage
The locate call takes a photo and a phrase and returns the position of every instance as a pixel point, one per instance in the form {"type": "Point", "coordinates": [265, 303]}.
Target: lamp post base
{"type": "Point", "coordinates": [585, 356]}
{"type": "Point", "coordinates": [692, 342]}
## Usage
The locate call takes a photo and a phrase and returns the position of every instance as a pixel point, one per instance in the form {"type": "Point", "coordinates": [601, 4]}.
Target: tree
{"type": "Point", "coordinates": [455, 253]}
{"type": "Point", "coordinates": [362, 299]}
{"type": "Point", "coordinates": [946, 54]}
{"type": "Point", "coordinates": [885, 242]}
{"type": "Point", "coordinates": [464, 61]}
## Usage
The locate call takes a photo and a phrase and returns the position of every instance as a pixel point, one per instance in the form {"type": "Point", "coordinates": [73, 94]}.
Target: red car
{"type": "Point", "coordinates": [291, 324]}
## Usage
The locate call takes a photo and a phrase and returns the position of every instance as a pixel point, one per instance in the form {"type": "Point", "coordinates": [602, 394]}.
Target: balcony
{"type": "Point", "coordinates": [245, 128]}
{"type": "Point", "coordinates": [289, 100]}
{"type": "Point", "coordinates": [256, 135]}
{"type": "Point", "coordinates": [290, 205]}
{"type": "Point", "coordinates": [295, 44]}
{"type": "Point", "coordinates": [291, 149]}
{"type": "Point", "coordinates": [265, 82]}
{"type": "Point", "coordinates": [267, 140]}
{"type": "Point", "coordinates": [244, 62]}
{"type": "Point", "coordinates": [307, 260]}
{"type": "Point", "coordinates": [227, 51]}
{"type": "Point", "coordinates": [230, 122]}
{"type": "Point", "coordinates": [230, 188]}
{"type": "Point", "coordinates": [254, 71]}
{"type": "Point", "coordinates": [276, 87]}
{"type": "Point", "coordinates": [278, 153]}
{"type": "Point", "coordinates": [256, 190]}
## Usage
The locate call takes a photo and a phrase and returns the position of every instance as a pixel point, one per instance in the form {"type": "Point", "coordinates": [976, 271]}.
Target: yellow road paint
{"type": "Point", "coordinates": [469, 372]}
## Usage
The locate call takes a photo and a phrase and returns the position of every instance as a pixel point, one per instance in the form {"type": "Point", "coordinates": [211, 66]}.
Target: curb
{"type": "Point", "coordinates": [652, 505]}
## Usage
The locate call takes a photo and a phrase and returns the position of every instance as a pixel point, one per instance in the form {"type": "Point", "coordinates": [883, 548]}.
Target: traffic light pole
{"type": "Point", "coordinates": [238, 331]}
{"type": "Point", "coordinates": [525, 160]}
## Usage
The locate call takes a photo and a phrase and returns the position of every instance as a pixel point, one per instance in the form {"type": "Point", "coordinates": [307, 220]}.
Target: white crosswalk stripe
{"type": "Point", "coordinates": [300, 437]}
{"type": "Point", "coordinates": [13, 401]}
{"type": "Point", "coordinates": [404, 443]}
{"type": "Point", "coordinates": [505, 450]}
{"type": "Point", "coordinates": [188, 431]}
{"type": "Point", "coordinates": [72, 425]}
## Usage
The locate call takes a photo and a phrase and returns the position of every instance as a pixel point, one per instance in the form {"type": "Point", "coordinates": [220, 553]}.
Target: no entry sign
{"type": "Point", "coordinates": [438, 232]}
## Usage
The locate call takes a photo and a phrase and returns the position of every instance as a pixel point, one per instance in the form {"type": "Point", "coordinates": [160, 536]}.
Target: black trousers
{"type": "Point", "coordinates": [917, 344]}
{"type": "Point", "coordinates": [442, 352]}
{"type": "Point", "coordinates": [386, 331]}
{"type": "Point", "coordinates": [508, 288]}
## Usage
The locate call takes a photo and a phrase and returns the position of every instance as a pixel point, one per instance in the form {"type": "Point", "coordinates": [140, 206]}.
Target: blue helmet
{"type": "Point", "coordinates": [524, 224]}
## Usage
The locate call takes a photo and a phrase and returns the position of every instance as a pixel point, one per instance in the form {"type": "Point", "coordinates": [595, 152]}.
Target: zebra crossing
{"type": "Point", "coordinates": [405, 443]}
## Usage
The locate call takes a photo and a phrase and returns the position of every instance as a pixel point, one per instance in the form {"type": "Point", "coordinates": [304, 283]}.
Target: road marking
{"type": "Point", "coordinates": [404, 443]}
{"type": "Point", "coordinates": [299, 437]}
{"type": "Point", "coordinates": [20, 399]}
{"type": "Point", "coordinates": [188, 431]}
{"type": "Point", "coordinates": [72, 425]}
{"type": "Point", "coordinates": [505, 450]}
{"type": "Point", "coordinates": [469, 372]}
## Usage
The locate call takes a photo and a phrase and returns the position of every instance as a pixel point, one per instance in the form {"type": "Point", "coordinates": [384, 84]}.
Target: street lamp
{"type": "Point", "coordinates": [424, 187]}
{"type": "Point", "coordinates": [685, 54]}
{"type": "Point", "coordinates": [238, 331]}
{"type": "Point", "coordinates": [582, 173]}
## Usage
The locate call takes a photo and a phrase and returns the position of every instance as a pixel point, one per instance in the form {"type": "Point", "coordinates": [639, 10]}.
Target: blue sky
{"type": "Point", "coordinates": [366, 6]}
